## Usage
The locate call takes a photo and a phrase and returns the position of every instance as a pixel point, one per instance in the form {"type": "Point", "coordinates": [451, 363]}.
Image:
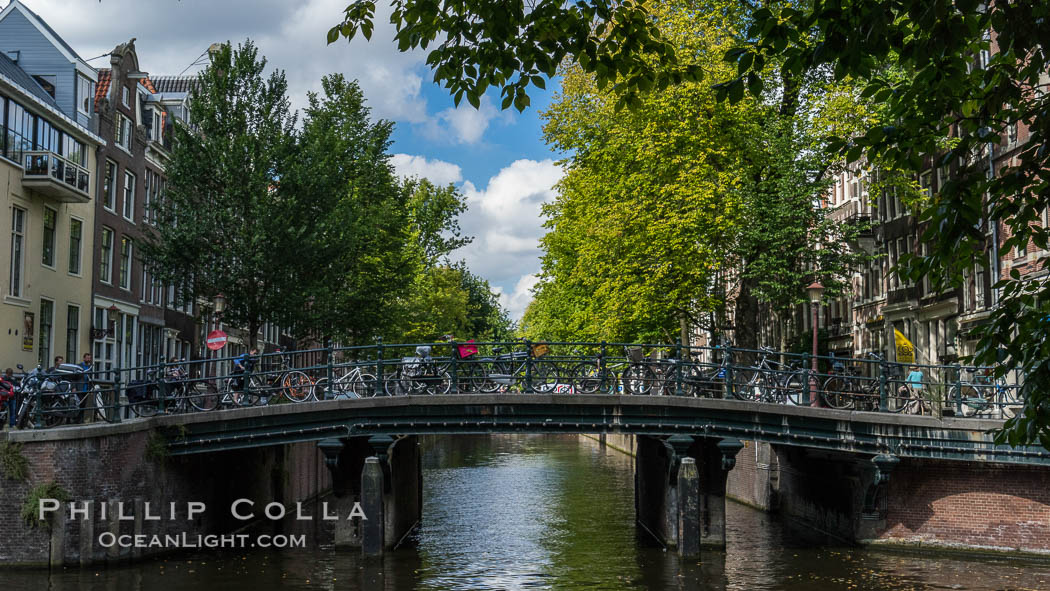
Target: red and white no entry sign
{"type": "Point", "coordinates": [216, 340]}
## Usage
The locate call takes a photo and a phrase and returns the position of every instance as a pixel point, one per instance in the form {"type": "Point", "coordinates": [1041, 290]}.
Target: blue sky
{"type": "Point", "coordinates": [497, 158]}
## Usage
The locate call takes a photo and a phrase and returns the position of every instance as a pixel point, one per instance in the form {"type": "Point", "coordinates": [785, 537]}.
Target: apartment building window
{"type": "Point", "coordinates": [109, 186]}
{"type": "Point", "coordinates": [942, 177]}
{"type": "Point", "coordinates": [158, 126]}
{"type": "Point", "coordinates": [892, 264]}
{"type": "Point", "coordinates": [47, 137]}
{"type": "Point", "coordinates": [978, 284]}
{"type": "Point", "coordinates": [19, 131]}
{"type": "Point", "coordinates": [151, 197]}
{"type": "Point", "coordinates": [1011, 134]}
{"type": "Point", "coordinates": [105, 269]}
{"type": "Point", "coordinates": [122, 131]}
{"type": "Point", "coordinates": [72, 333]}
{"type": "Point", "coordinates": [18, 236]}
{"type": "Point", "coordinates": [47, 321]}
{"type": "Point", "coordinates": [926, 184]}
{"type": "Point", "coordinates": [129, 196]}
{"type": "Point", "coordinates": [925, 251]}
{"type": "Point", "coordinates": [48, 258]}
{"type": "Point", "coordinates": [74, 150]}
{"type": "Point", "coordinates": [125, 262]}
{"type": "Point", "coordinates": [76, 238]}
{"type": "Point", "coordinates": [85, 94]}
{"type": "Point", "coordinates": [125, 95]}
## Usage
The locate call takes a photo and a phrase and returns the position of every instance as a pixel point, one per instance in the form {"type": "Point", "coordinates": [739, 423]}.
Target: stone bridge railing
{"type": "Point", "coordinates": [68, 394]}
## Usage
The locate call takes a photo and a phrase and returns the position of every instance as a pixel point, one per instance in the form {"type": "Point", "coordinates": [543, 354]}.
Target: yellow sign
{"type": "Point", "coordinates": [905, 350]}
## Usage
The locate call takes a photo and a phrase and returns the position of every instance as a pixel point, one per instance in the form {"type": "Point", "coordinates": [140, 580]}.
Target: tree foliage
{"type": "Point", "coordinates": [977, 70]}
{"type": "Point", "coordinates": [227, 225]}
{"type": "Point", "coordinates": [358, 256]}
{"type": "Point", "coordinates": [667, 210]}
{"type": "Point", "coordinates": [308, 229]}
{"type": "Point", "coordinates": [512, 46]}
{"type": "Point", "coordinates": [958, 85]}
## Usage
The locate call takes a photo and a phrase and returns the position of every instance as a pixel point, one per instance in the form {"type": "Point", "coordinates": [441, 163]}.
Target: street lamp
{"type": "Point", "coordinates": [815, 291]}
{"type": "Point", "coordinates": [220, 303]}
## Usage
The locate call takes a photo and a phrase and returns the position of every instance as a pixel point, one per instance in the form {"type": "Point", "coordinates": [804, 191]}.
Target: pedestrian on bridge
{"type": "Point", "coordinates": [242, 365]}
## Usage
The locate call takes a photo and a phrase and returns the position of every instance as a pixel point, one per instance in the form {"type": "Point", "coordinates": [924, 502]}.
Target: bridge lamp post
{"type": "Point", "coordinates": [219, 302]}
{"type": "Point", "coordinates": [815, 291]}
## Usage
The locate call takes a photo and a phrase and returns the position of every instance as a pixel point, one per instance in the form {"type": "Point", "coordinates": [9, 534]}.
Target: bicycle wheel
{"type": "Point", "coordinates": [473, 374]}
{"type": "Point", "coordinates": [490, 367]}
{"type": "Point", "coordinates": [796, 388]}
{"type": "Point", "coordinates": [202, 396]}
{"type": "Point", "coordinates": [638, 379]}
{"type": "Point", "coordinates": [361, 386]}
{"type": "Point", "coordinates": [836, 393]}
{"type": "Point", "coordinates": [901, 400]}
{"type": "Point", "coordinates": [1010, 404]}
{"type": "Point", "coordinates": [296, 386]}
{"type": "Point", "coordinates": [150, 405]}
{"type": "Point", "coordinates": [972, 399]}
{"type": "Point", "coordinates": [256, 393]}
{"type": "Point", "coordinates": [544, 376]}
{"type": "Point", "coordinates": [586, 378]}
{"type": "Point", "coordinates": [439, 384]}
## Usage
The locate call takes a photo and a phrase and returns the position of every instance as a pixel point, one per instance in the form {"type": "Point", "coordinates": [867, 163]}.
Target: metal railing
{"type": "Point", "coordinates": [41, 164]}
{"type": "Point", "coordinates": [70, 396]}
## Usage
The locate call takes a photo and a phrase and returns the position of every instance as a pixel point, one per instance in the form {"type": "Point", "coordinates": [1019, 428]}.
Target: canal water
{"type": "Point", "coordinates": [549, 512]}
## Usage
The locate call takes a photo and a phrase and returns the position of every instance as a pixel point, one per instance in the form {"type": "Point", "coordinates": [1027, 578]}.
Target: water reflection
{"type": "Point", "coordinates": [547, 512]}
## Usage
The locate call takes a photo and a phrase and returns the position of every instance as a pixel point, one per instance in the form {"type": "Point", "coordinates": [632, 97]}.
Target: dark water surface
{"type": "Point", "coordinates": [548, 512]}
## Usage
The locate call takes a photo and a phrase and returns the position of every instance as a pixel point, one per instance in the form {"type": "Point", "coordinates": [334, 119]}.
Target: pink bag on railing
{"type": "Point", "coordinates": [467, 349]}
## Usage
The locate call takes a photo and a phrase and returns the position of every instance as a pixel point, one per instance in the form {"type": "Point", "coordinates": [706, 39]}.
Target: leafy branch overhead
{"type": "Point", "coordinates": [477, 44]}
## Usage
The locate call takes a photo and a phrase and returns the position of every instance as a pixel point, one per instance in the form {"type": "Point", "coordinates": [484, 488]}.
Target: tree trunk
{"type": "Point", "coordinates": [745, 314]}
{"type": "Point", "coordinates": [253, 335]}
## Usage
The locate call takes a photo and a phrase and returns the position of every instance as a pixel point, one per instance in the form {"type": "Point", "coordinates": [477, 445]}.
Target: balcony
{"type": "Point", "coordinates": [56, 177]}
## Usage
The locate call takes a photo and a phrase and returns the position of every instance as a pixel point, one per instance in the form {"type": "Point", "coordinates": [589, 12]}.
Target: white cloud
{"type": "Point", "coordinates": [464, 124]}
{"type": "Point", "coordinates": [438, 172]}
{"type": "Point", "coordinates": [505, 219]}
{"type": "Point", "coordinates": [516, 301]}
{"type": "Point", "coordinates": [291, 35]}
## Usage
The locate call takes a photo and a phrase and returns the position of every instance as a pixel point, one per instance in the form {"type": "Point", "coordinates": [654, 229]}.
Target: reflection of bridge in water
{"type": "Point", "coordinates": [857, 474]}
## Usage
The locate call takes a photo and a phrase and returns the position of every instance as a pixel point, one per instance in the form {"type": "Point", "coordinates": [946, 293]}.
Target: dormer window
{"type": "Point", "coordinates": [47, 83]}
{"type": "Point", "coordinates": [85, 95]}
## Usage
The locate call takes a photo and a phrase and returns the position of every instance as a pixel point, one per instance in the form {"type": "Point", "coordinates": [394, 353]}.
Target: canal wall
{"type": "Point", "coordinates": [946, 504]}
{"type": "Point", "coordinates": [968, 505]}
{"type": "Point", "coordinates": [128, 465]}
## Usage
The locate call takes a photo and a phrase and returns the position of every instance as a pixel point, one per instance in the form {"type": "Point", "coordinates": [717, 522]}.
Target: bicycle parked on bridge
{"type": "Point", "coordinates": [353, 383]}
{"type": "Point", "coordinates": [169, 391]}
{"type": "Point", "coordinates": [421, 374]}
{"type": "Point", "coordinates": [278, 381]}
{"type": "Point", "coordinates": [984, 394]}
{"type": "Point", "coordinates": [769, 380]}
{"type": "Point", "coordinates": [52, 398]}
{"type": "Point", "coordinates": [507, 370]}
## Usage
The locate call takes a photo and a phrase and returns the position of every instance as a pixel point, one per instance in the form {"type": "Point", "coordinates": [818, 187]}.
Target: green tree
{"type": "Point", "coordinates": [958, 86]}
{"type": "Point", "coordinates": [977, 70]}
{"type": "Point", "coordinates": [356, 256]}
{"type": "Point", "coordinates": [227, 224]}
{"type": "Point", "coordinates": [660, 205]}
{"type": "Point", "coordinates": [434, 213]}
